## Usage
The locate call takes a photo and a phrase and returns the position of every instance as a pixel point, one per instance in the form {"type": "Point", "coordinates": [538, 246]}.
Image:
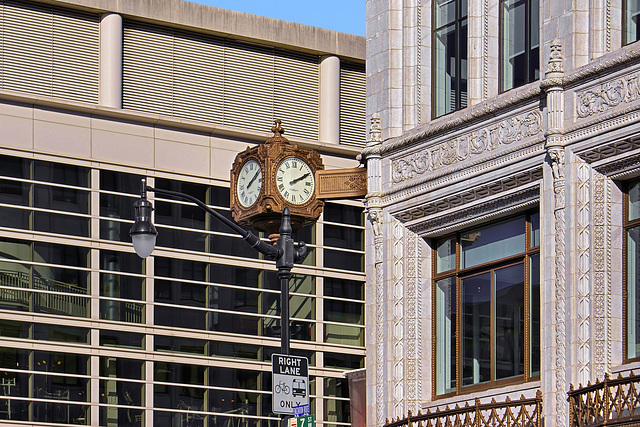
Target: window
{"type": "Point", "coordinates": [520, 50]}
{"type": "Point", "coordinates": [486, 292]}
{"type": "Point", "coordinates": [449, 56]}
{"type": "Point", "coordinates": [632, 265]}
{"type": "Point", "coordinates": [631, 15]}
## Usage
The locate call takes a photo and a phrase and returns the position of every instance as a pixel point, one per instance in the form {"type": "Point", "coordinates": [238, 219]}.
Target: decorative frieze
{"type": "Point", "coordinates": [607, 95]}
{"type": "Point", "coordinates": [467, 146]}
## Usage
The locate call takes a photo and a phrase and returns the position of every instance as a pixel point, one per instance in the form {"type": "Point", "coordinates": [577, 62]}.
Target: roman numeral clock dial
{"type": "Point", "coordinates": [249, 183]}
{"type": "Point", "coordinates": [295, 180]}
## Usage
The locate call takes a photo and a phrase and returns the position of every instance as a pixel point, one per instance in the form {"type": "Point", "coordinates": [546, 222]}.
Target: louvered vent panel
{"type": "Point", "coordinates": [50, 51]}
{"type": "Point", "coordinates": [147, 69]}
{"type": "Point", "coordinates": [353, 105]}
{"type": "Point", "coordinates": [76, 47]}
{"type": "Point", "coordinates": [28, 35]}
{"type": "Point", "coordinates": [296, 100]}
{"type": "Point", "coordinates": [198, 77]}
{"type": "Point", "coordinates": [249, 86]}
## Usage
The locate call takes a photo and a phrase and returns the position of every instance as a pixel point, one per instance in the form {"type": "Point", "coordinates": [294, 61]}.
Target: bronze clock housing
{"type": "Point", "coordinates": [288, 179]}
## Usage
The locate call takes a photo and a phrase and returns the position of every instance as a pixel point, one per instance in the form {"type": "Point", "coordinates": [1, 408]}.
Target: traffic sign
{"type": "Point", "coordinates": [306, 421]}
{"type": "Point", "coordinates": [301, 410]}
{"type": "Point", "coordinates": [290, 382]}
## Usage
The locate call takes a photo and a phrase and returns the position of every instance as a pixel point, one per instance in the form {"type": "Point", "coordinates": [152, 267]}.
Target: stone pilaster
{"type": "Point", "coordinates": [377, 409]}
{"type": "Point", "coordinates": [554, 375]}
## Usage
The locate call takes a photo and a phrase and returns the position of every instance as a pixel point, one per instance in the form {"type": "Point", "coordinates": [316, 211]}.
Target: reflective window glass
{"type": "Point", "coordinates": [492, 242]}
{"type": "Point", "coordinates": [631, 18]}
{"type": "Point", "coordinates": [480, 314]}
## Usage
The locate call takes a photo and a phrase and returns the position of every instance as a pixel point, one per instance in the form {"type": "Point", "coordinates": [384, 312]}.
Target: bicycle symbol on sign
{"type": "Point", "coordinates": [282, 387]}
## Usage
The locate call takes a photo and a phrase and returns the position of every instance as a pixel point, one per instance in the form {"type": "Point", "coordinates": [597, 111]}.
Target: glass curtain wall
{"type": "Point", "coordinates": [486, 289]}
{"type": "Point", "coordinates": [449, 56]}
{"type": "Point", "coordinates": [520, 42]}
{"type": "Point", "coordinates": [187, 343]}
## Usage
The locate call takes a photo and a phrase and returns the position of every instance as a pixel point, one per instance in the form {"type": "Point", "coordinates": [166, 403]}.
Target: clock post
{"type": "Point", "coordinates": [273, 189]}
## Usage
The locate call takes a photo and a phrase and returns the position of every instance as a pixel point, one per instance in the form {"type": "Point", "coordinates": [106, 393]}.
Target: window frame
{"type": "Point", "coordinates": [458, 274]}
{"type": "Point", "coordinates": [625, 41]}
{"type": "Point", "coordinates": [457, 23]}
{"type": "Point", "coordinates": [527, 43]}
{"type": "Point", "coordinates": [627, 224]}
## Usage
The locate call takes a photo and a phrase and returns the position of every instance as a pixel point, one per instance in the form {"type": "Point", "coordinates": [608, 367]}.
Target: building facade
{"type": "Point", "coordinates": [503, 165]}
{"type": "Point", "coordinates": [94, 96]}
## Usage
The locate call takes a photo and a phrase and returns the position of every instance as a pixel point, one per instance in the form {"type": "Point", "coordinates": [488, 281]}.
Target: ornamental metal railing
{"type": "Point", "coordinates": [608, 402]}
{"type": "Point", "coordinates": [523, 413]}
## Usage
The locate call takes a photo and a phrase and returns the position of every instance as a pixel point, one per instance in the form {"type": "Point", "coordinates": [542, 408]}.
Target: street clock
{"type": "Point", "coordinates": [271, 176]}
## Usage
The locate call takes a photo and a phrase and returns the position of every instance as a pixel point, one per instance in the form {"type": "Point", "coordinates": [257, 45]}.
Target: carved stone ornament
{"type": "Point", "coordinates": [555, 58]}
{"type": "Point", "coordinates": [556, 155]}
{"type": "Point", "coordinates": [467, 146]}
{"type": "Point", "coordinates": [604, 97]}
{"type": "Point", "coordinates": [375, 216]}
{"type": "Point", "coordinates": [375, 130]}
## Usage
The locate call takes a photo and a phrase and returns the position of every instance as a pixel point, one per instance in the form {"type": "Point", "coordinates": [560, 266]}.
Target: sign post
{"type": "Point", "coordinates": [290, 383]}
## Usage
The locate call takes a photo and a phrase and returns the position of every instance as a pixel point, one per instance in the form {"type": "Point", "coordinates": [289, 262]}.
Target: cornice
{"type": "Point", "coordinates": [458, 119]}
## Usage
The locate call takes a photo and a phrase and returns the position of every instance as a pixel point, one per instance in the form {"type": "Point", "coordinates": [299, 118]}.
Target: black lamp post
{"type": "Point", "coordinates": [285, 252]}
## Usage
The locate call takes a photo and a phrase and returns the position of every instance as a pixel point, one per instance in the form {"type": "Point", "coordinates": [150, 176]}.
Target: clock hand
{"type": "Point", "coordinates": [293, 181]}
{"type": "Point", "coordinates": [253, 179]}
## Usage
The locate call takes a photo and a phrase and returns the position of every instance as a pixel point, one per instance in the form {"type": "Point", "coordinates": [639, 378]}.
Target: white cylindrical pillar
{"type": "Point", "coordinates": [111, 60]}
{"type": "Point", "coordinates": [330, 99]}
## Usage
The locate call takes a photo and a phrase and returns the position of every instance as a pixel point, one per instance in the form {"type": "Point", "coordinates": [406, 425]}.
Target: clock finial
{"type": "Point", "coordinates": [277, 130]}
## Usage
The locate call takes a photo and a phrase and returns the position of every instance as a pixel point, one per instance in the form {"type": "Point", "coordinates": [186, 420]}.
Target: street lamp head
{"type": "Point", "coordinates": [143, 233]}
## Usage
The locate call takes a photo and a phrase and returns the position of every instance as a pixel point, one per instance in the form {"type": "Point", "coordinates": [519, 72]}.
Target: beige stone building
{"type": "Point", "coordinates": [94, 96]}
{"type": "Point", "coordinates": [502, 250]}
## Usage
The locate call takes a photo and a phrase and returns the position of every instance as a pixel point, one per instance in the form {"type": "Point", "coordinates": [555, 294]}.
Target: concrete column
{"type": "Point", "coordinates": [330, 99]}
{"type": "Point", "coordinates": [111, 60]}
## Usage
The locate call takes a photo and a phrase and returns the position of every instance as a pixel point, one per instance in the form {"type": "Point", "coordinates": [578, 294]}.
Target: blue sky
{"type": "Point", "coordinates": [347, 16]}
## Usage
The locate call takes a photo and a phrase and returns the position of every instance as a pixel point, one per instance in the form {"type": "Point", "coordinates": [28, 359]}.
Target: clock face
{"type": "Point", "coordinates": [249, 183]}
{"type": "Point", "coordinates": [295, 180]}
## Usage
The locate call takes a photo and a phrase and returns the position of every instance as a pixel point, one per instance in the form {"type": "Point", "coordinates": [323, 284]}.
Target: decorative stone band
{"type": "Point", "coordinates": [607, 95]}
{"type": "Point", "coordinates": [608, 151]}
{"type": "Point", "coordinates": [515, 201]}
{"type": "Point", "coordinates": [467, 146]}
{"type": "Point", "coordinates": [471, 196]}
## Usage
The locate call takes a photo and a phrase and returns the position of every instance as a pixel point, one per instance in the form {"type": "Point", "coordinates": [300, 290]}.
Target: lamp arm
{"type": "Point", "coordinates": [265, 248]}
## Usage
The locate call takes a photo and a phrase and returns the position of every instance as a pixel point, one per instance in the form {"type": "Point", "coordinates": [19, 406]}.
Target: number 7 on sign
{"type": "Point", "coordinates": [306, 421]}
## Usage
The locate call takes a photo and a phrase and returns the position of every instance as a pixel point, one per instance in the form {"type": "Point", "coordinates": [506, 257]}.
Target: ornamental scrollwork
{"type": "Point", "coordinates": [467, 146]}
{"type": "Point", "coordinates": [608, 95]}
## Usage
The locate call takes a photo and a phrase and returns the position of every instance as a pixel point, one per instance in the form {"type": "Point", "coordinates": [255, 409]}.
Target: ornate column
{"type": "Point", "coordinates": [553, 85]}
{"type": "Point", "coordinates": [375, 295]}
